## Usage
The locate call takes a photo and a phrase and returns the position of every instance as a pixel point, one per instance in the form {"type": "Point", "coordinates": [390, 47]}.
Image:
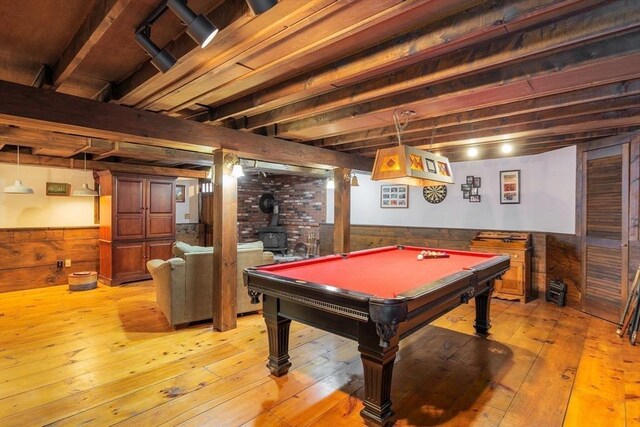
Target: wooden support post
{"type": "Point", "coordinates": [342, 210]}
{"type": "Point", "coordinates": [225, 250]}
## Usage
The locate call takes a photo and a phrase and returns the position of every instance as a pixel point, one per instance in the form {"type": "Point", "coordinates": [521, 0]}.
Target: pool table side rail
{"type": "Point", "coordinates": [349, 304]}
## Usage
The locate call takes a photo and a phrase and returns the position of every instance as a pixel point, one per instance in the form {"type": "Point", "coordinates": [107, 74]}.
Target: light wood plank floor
{"type": "Point", "coordinates": [108, 357]}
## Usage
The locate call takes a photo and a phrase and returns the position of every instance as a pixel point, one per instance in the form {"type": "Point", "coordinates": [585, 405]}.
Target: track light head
{"type": "Point", "coordinates": [199, 27]}
{"type": "Point", "coordinates": [161, 59]}
{"type": "Point", "coordinates": [259, 6]}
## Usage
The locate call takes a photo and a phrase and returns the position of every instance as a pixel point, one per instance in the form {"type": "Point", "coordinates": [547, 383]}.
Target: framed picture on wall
{"type": "Point", "coordinates": [57, 189]}
{"type": "Point", "coordinates": [394, 196]}
{"type": "Point", "coordinates": [510, 187]}
{"type": "Point", "coordinates": [180, 193]}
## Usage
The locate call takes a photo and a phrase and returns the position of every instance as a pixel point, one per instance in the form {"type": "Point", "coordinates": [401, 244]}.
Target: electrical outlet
{"type": "Point", "coordinates": [59, 263]}
{"type": "Point", "coordinates": [67, 263]}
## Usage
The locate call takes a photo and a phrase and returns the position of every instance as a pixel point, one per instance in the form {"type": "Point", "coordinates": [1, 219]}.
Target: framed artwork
{"type": "Point", "coordinates": [431, 165]}
{"type": "Point", "coordinates": [465, 187]}
{"type": "Point", "coordinates": [474, 198]}
{"type": "Point", "coordinates": [180, 193]}
{"type": "Point", "coordinates": [474, 191]}
{"type": "Point", "coordinates": [510, 187]}
{"type": "Point", "coordinates": [57, 189]}
{"type": "Point", "coordinates": [394, 196]}
{"type": "Point", "coordinates": [466, 194]}
{"type": "Point", "coordinates": [470, 179]}
{"type": "Point", "coordinates": [477, 181]}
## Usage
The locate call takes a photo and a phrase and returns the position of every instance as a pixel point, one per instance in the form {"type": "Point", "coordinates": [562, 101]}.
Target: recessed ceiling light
{"type": "Point", "coordinates": [506, 148]}
{"type": "Point", "coordinates": [472, 152]}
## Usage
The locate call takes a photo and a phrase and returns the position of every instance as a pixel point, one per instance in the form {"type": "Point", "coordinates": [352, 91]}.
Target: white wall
{"type": "Point", "coordinates": [38, 209]}
{"type": "Point", "coordinates": [187, 212]}
{"type": "Point", "coordinates": [547, 203]}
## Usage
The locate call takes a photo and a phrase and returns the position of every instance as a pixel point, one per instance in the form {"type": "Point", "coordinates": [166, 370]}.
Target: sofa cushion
{"type": "Point", "coordinates": [181, 248]}
{"type": "Point", "coordinates": [251, 245]}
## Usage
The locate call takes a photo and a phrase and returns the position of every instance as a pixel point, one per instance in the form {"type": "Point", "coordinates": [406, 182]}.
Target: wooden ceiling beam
{"type": "Point", "coordinates": [58, 162]}
{"type": "Point", "coordinates": [550, 102]}
{"type": "Point", "coordinates": [95, 25]}
{"type": "Point", "coordinates": [601, 62]}
{"type": "Point", "coordinates": [552, 37]}
{"type": "Point", "coordinates": [477, 23]}
{"type": "Point", "coordinates": [40, 138]}
{"type": "Point", "coordinates": [614, 119]}
{"type": "Point", "coordinates": [504, 125]}
{"type": "Point", "coordinates": [547, 141]}
{"type": "Point", "coordinates": [46, 110]}
{"type": "Point", "coordinates": [335, 30]}
{"type": "Point", "coordinates": [147, 152]}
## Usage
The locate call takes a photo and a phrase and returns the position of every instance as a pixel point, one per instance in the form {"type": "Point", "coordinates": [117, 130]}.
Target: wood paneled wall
{"type": "Point", "coordinates": [28, 255]}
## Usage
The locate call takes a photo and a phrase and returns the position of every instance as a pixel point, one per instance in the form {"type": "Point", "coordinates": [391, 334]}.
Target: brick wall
{"type": "Point", "coordinates": [302, 206]}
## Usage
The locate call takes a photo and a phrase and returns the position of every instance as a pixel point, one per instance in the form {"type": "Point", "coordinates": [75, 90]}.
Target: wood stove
{"type": "Point", "coordinates": [273, 238]}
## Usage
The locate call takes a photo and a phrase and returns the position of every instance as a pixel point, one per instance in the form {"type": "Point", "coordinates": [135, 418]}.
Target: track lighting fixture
{"type": "Point", "coordinates": [259, 6]}
{"type": "Point", "coordinates": [18, 187]}
{"type": "Point", "coordinates": [160, 58]}
{"type": "Point", "coordinates": [199, 27]}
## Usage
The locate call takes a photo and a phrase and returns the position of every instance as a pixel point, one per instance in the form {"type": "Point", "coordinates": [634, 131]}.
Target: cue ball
{"type": "Point", "coordinates": [420, 257]}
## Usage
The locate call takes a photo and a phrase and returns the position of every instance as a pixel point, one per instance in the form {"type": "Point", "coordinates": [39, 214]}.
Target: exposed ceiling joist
{"type": "Point", "coordinates": [58, 162]}
{"type": "Point", "coordinates": [30, 107]}
{"type": "Point", "coordinates": [95, 25]}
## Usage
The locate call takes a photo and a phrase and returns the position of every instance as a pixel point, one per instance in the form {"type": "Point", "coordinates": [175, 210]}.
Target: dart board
{"type": "Point", "coordinates": [434, 194]}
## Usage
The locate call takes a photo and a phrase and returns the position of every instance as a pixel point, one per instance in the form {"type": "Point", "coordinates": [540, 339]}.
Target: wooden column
{"type": "Point", "coordinates": [342, 210]}
{"type": "Point", "coordinates": [225, 250]}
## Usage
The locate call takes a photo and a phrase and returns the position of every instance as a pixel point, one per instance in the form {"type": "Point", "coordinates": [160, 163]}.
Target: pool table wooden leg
{"type": "Point", "coordinates": [377, 363]}
{"type": "Point", "coordinates": [483, 305]}
{"type": "Point", "coordinates": [278, 332]}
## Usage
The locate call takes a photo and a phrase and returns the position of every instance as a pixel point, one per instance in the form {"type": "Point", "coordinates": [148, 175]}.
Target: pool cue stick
{"type": "Point", "coordinates": [634, 290]}
{"type": "Point", "coordinates": [636, 324]}
{"type": "Point", "coordinates": [635, 303]}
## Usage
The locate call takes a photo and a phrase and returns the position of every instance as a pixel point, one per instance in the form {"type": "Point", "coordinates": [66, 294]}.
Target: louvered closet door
{"type": "Point", "coordinates": [605, 255]}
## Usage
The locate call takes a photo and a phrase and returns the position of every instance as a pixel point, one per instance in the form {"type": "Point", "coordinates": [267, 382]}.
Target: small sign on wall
{"type": "Point", "coordinates": [57, 189]}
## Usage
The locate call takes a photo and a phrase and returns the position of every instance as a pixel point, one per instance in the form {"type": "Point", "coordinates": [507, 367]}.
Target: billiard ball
{"type": "Point", "coordinates": [420, 257]}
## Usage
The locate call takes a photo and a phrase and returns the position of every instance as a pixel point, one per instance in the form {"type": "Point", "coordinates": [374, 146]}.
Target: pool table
{"type": "Point", "coordinates": [376, 297]}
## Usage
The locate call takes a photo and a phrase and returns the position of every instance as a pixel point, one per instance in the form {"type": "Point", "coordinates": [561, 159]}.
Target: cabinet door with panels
{"type": "Point", "coordinates": [129, 208]}
{"type": "Point", "coordinates": [129, 261]}
{"type": "Point", "coordinates": [160, 209]}
{"type": "Point", "coordinates": [159, 249]}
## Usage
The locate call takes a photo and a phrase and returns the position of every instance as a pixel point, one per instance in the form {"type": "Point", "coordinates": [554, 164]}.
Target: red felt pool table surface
{"type": "Point", "coordinates": [382, 272]}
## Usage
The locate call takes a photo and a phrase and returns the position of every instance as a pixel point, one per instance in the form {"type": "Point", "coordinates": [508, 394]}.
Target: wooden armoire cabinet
{"type": "Point", "coordinates": [137, 223]}
{"type": "Point", "coordinates": [516, 282]}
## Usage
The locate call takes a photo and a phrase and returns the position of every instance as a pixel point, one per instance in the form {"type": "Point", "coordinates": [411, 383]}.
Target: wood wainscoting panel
{"type": "Point", "coordinates": [28, 256]}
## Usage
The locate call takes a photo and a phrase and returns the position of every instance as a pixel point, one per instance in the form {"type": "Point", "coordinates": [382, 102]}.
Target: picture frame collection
{"type": "Point", "coordinates": [394, 196]}
{"type": "Point", "coordinates": [471, 189]}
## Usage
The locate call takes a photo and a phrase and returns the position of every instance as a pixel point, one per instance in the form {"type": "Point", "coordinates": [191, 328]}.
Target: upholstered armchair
{"type": "Point", "coordinates": [184, 283]}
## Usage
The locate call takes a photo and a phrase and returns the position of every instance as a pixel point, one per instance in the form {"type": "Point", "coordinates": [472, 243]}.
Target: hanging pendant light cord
{"type": "Point", "coordinates": [401, 120]}
{"type": "Point", "coordinates": [18, 164]}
